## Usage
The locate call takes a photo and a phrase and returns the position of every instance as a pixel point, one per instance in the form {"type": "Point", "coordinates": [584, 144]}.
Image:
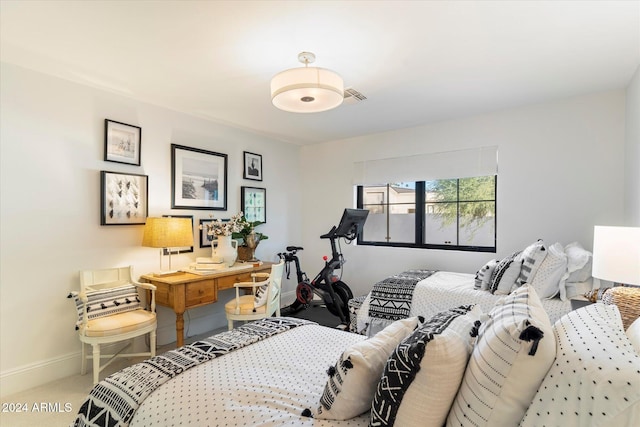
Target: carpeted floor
{"type": "Point", "coordinates": [318, 314]}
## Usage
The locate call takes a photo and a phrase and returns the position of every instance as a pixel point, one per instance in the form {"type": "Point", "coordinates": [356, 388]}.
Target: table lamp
{"type": "Point", "coordinates": [616, 254]}
{"type": "Point", "coordinates": [167, 233]}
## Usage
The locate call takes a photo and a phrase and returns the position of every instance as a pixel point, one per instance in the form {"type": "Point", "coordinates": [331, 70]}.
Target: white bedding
{"type": "Point", "coordinates": [268, 383]}
{"type": "Point", "coordinates": [444, 290]}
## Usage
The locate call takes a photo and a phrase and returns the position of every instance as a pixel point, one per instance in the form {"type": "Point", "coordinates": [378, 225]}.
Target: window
{"type": "Point", "coordinates": [455, 214]}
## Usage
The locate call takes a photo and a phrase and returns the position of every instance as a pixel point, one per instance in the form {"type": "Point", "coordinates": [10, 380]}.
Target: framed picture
{"type": "Point", "coordinates": [122, 142]}
{"type": "Point", "coordinates": [254, 203]}
{"type": "Point", "coordinates": [204, 239]}
{"type": "Point", "coordinates": [252, 166]}
{"type": "Point", "coordinates": [198, 179]}
{"type": "Point", "coordinates": [182, 250]}
{"type": "Point", "coordinates": [123, 198]}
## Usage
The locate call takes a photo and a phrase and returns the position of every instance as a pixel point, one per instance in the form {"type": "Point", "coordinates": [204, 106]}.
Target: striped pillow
{"type": "Point", "coordinates": [107, 302]}
{"type": "Point", "coordinates": [532, 256]}
{"type": "Point", "coordinates": [483, 276]}
{"type": "Point", "coordinates": [514, 351]}
{"type": "Point", "coordinates": [500, 273]}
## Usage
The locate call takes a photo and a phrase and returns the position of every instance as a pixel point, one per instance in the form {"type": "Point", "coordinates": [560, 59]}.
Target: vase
{"type": "Point", "coordinates": [227, 249]}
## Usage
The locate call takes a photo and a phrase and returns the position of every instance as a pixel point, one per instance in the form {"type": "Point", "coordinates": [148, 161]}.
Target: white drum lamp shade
{"type": "Point", "coordinates": [307, 89]}
{"type": "Point", "coordinates": [616, 254]}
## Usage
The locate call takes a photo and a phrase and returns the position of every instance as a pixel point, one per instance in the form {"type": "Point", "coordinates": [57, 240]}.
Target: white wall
{"type": "Point", "coordinates": [632, 153]}
{"type": "Point", "coordinates": [560, 172]}
{"type": "Point", "coordinates": [52, 142]}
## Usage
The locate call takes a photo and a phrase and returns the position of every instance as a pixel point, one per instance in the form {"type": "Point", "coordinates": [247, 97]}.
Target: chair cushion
{"type": "Point", "coordinates": [246, 306]}
{"type": "Point", "coordinates": [118, 323]}
{"type": "Point", "coordinates": [107, 302]}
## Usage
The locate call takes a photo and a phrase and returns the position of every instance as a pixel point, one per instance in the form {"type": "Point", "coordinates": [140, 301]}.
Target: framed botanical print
{"type": "Point", "coordinates": [122, 142]}
{"type": "Point", "coordinates": [252, 166]}
{"type": "Point", "coordinates": [123, 198]}
{"type": "Point", "coordinates": [254, 203]}
{"type": "Point", "coordinates": [198, 179]}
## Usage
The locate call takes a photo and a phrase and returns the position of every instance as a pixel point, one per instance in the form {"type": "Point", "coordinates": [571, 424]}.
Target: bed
{"type": "Point", "coordinates": [425, 293]}
{"type": "Point", "coordinates": [250, 366]}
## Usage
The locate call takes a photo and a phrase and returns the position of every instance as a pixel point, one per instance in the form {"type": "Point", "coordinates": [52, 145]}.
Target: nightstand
{"type": "Point", "coordinates": [578, 302]}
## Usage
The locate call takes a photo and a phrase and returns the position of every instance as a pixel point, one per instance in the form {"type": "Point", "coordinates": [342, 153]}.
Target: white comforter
{"type": "Point", "coordinates": [444, 290]}
{"type": "Point", "coordinates": [268, 383]}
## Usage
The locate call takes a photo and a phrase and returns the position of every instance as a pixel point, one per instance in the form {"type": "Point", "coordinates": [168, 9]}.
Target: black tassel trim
{"type": "Point", "coordinates": [476, 329]}
{"type": "Point", "coordinates": [88, 308]}
{"type": "Point", "coordinates": [127, 301]}
{"type": "Point", "coordinates": [421, 319]}
{"type": "Point", "coordinates": [307, 413]}
{"type": "Point", "coordinates": [331, 371]}
{"type": "Point", "coordinates": [70, 296]}
{"type": "Point", "coordinates": [346, 364]}
{"type": "Point", "coordinates": [77, 327]}
{"type": "Point", "coordinates": [531, 333]}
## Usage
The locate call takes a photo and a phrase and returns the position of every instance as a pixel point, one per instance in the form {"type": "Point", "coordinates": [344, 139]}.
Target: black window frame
{"type": "Point", "coordinates": [420, 207]}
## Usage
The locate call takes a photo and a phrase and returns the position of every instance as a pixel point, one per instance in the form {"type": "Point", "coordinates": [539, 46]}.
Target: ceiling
{"type": "Point", "coordinates": [417, 62]}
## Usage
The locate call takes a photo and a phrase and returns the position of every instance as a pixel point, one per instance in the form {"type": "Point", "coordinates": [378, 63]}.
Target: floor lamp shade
{"type": "Point", "coordinates": [616, 254]}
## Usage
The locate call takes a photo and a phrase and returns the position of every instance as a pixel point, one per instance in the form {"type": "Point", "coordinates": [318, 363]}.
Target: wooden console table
{"type": "Point", "coordinates": [183, 291]}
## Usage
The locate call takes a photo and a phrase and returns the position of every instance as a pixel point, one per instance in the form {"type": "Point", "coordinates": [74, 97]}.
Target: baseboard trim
{"type": "Point", "coordinates": [25, 377]}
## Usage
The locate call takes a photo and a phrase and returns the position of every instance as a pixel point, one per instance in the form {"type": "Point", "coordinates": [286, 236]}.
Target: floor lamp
{"type": "Point", "coordinates": [167, 233]}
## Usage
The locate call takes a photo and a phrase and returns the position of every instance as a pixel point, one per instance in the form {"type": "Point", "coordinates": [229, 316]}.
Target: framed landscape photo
{"type": "Point", "coordinates": [179, 250]}
{"type": "Point", "coordinates": [198, 179]}
{"type": "Point", "coordinates": [254, 203]}
{"type": "Point", "coordinates": [123, 198]}
{"type": "Point", "coordinates": [252, 166]}
{"type": "Point", "coordinates": [122, 142]}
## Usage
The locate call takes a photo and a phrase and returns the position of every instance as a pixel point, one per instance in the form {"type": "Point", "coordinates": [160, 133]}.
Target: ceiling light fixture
{"type": "Point", "coordinates": [308, 89]}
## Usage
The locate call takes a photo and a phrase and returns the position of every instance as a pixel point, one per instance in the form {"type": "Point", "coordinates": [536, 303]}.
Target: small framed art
{"type": "Point", "coordinates": [179, 250]}
{"type": "Point", "coordinates": [122, 142]}
{"type": "Point", "coordinates": [123, 198]}
{"type": "Point", "coordinates": [198, 179]}
{"type": "Point", "coordinates": [252, 166]}
{"type": "Point", "coordinates": [254, 203]}
{"type": "Point", "coordinates": [204, 238]}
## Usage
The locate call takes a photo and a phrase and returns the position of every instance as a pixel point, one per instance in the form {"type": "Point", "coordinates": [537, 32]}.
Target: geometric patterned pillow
{"type": "Point", "coordinates": [500, 271]}
{"type": "Point", "coordinates": [532, 256]}
{"type": "Point", "coordinates": [423, 373]}
{"type": "Point", "coordinates": [514, 351]}
{"type": "Point", "coordinates": [107, 302]}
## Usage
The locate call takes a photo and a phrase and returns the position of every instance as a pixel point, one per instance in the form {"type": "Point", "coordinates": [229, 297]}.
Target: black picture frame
{"type": "Point", "coordinates": [123, 198]}
{"type": "Point", "coordinates": [254, 203]}
{"type": "Point", "coordinates": [180, 250]}
{"type": "Point", "coordinates": [252, 166]}
{"type": "Point", "coordinates": [198, 178]}
{"type": "Point", "coordinates": [122, 143]}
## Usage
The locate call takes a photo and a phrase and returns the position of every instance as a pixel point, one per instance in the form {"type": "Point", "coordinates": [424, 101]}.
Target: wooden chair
{"type": "Point", "coordinates": [109, 311]}
{"type": "Point", "coordinates": [264, 300]}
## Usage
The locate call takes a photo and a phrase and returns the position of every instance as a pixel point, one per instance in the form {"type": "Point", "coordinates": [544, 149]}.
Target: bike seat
{"type": "Point", "coordinates": [294, 248]}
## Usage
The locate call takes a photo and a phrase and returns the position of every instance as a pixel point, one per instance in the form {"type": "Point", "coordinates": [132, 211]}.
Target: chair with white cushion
{"type": "Point", "coordinates": [109, 311]}
{"type": "Point", "coordinates": [263, 301]}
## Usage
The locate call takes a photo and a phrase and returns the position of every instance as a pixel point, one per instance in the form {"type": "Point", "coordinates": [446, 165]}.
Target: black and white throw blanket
{"type": "Point", "coordinates": [114, 400]}
{"type": "Point", "coordinates": [391, 297]}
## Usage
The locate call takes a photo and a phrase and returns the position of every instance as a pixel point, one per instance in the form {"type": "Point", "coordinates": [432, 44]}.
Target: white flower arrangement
{"type": "Point", "coordinates": [218, 227]}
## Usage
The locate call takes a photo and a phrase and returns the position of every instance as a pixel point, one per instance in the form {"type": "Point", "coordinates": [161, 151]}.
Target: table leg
{"type": "Point", "coordinates": [179, 329]}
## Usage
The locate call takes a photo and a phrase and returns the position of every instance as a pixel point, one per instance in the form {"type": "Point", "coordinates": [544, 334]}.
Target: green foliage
{"type": "Point", "coordinates": [476, 198]}
{"type": "Point", "coordinates": [246, 228]}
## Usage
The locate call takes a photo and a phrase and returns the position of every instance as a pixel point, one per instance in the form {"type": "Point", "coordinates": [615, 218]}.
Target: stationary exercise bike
{"type": "Point", "coordinates": [334, 293]}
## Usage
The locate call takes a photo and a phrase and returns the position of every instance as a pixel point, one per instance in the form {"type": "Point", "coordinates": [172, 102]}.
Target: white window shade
{"type": "Point", "coordinates": [481, 161]}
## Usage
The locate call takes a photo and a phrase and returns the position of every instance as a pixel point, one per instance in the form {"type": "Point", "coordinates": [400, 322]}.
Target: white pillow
{"type": "Point", "coordinates": [579, 262]}
{"type": "Point", "coordinates": [510, 277]}
{"type": "Point", "coordinates": [633, 333]}
{"type": "Point", "coordinates": [261, 296]}
{"type": "Point", "coordinates": [547, 279]}
{"type": "Point", "coordinates": [352, 381]}
{"type": "Point", "coordinates": [532, 257]}
{"type": "Point", "coordinates": [514, 351]}
{"type": "Point", "coordinates": [574, 289]}
{"type": "Point", "coordinates": [595, 378]}
{"type": "Point", "coordinates": [483, 276]}
{"type": "Point", "coordinates": [423, 374]}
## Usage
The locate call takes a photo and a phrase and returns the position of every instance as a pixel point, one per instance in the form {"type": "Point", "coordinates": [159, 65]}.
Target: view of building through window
{"type": "Point", "coordinates": [455, 213]}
